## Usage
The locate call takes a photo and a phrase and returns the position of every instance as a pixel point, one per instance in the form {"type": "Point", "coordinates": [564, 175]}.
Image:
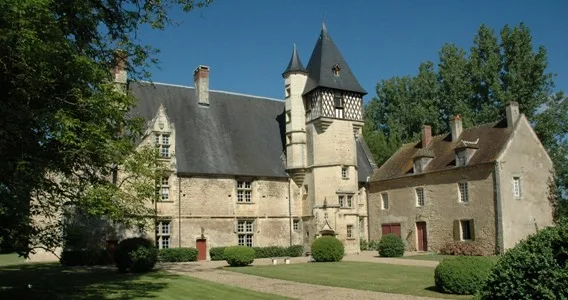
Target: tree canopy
{"type": "Point", "coordinates": [65, 126]}
{"type": "Point", "coordinates": [475, 84]}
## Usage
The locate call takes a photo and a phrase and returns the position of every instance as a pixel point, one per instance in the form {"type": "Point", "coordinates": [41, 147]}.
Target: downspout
{"type": "Point", "coordinates": [179, 210]}
{"type": "Point", "coordinates": [290, 207]}
{"type": "Point", "coordinates": [367, 191]}
{"type": "Point", "coordinates": [498, 209]}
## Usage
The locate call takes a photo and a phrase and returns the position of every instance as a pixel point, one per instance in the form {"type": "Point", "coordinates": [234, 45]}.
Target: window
{"type": "Point", "coordinates": [244, 191]}
{"type": "Point", "coordinates": [463, 190]}
{"type": "Point", "coordinates": [461, 158]}
{"type": "Point", "coordinates": [419, 196]}
{"type": "Point", "coordinates": [341, 201]}
{"type": "Point", "coordinates": [517, 187]}
{"type": "Point", "coordinates": [466, 230]}
{"type": "Point", "coordinates": [345, 201]}
{"type": "Point", "coordinates": [417, 165]}
{"type": "Point", "coordinates": [296, 225]}
{"type": "Point", "coordinates": [288, 116]}
{"type": "Point", "coordinates": [163, 189]}
{"type": "Point", "coordinates": [349, 201]}
{"type": "Point", "coordinates": [338, 103]}
{"type": "Point", "coordinates": [349, 231]}
{"type": "Point", "coordinates": [287, 91]}
{"type": "Point", "coordinates": [385, 200]}
{"type": "Point", "coordinates": [245, 231]}
{"type": "Point", "coordinates": [162, 142]}
{"type": "Point", "coordinates": [163, 232]}
{"type": "Point", "coordinates": [344, 173]}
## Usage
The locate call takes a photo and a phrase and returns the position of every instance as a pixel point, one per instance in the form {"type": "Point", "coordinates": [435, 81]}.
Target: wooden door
{"type": "Point", "coordinates": [390, 228]}
{"type": "Point", "coordinates": [421, 236]}
{"type": "Point", "coordinates": [201, 249]}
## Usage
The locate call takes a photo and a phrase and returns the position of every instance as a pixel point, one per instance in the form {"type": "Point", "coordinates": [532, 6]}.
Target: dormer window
{"type": "Point", "coordinates": [465, 151]}
{"type": "Point", "coordinates": [421, 159]}
{"type": "Point", "coordinates": [336, 69]}
{"type": "Point", "coordinates": [461, 158]}
{"type": "Point", "coordinates": [417, 165]}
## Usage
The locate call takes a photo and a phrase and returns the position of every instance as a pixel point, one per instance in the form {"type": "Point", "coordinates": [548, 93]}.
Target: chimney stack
{"type": "Point", "coordinates": [426, 135]}
{"type": "Point", "coordinates": [457, 128]}
{"type": "Point", "coordinates": [201, 82]}
{"type": "Point", "coordinates": [512, 111]}
{"type": "Point", "coordinates": [120, 75]}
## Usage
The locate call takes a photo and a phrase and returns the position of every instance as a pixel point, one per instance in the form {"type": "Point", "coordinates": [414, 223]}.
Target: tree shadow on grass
{"type": "Point", "coordinates": [52, 281]}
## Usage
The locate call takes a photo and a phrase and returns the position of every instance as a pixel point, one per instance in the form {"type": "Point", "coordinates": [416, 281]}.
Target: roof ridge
{"type": "Point", "coordinates": [216, 91]}
{"type": "Point", "coordinates": [485, 124]}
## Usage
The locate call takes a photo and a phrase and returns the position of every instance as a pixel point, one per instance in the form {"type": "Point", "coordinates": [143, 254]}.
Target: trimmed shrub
{"type": "Point", "coordinates": [90, 257]}
{"type": "Point", "coordinates": [391, 245]}
{"type": "Point", "coordinates": [273, 251]}
{"type": "Point", "coordinates": [177, 254]}
{"type": "Point", "coordinates": [295, 251]}
{"type": "Point", "coordinates": [463, 275]}
{"type": "Point", "coordinates": [136, 255]}
{"type": "Point", "coordinates": [238, 256]}
{"type": "Point", "coordinates": [461, 248]}
{"type": "Point", "coordinates": [216, 253]}
{"type": "Point", "coordinates": [327, 248]}
{"type": "Point", "coordinates": [536, 268]}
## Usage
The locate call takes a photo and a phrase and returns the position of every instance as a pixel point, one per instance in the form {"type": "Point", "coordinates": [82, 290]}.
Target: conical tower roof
{"type": "Point", "coordinates": [295, 65]}
{"type": "Point", "coordinates": [327, 68]}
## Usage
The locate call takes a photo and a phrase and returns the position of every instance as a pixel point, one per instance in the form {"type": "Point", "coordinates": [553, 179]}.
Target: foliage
{"type": "Point", "coordinates": [68, 119]}
{"type": "Point", "coordinates": [391, 245]}
{"type": "Point", "coordinates": [536, 268]}
{"type": "Point", "coordinates": [370, 245]}
{"type": "Point", "coordinates": [177, 254]}
{"type": "Point", "coordinates": [136, 255]}
{"type": "Point", "coordinates": [327, 248]}
{"type": "Point", "coordinates": [462, 275]}
{"type": "Point", "coordinates": [89, 257]}
{"type": "Point", "coordinates": [475, 84]}
{"type": "Point", "coordinates": [461, 248]}
{"type": "Point", "coordinates": [239, 256]}
{"type": "Point", "coordinates": [295, 251]}
{"type": "Point", "coordinates": [275, 251]}
{"type": "Point", "coordinates": [217, 253]}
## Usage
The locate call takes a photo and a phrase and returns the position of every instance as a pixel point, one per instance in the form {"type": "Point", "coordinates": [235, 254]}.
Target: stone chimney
{"type": "Point", "coordinates": [426, 135]}
{"type": "Point", "coordinates": [119, 73]}
{"type": "Point", "coordinates": [512, 111]}
{"type": "Point", "coordinates": [457, 128]}
{"type": "Point", "coordinates": [201, 82]}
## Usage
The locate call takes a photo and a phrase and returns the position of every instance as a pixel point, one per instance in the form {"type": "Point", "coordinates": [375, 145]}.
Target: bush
{"type": "Point", "coordinates": [327, 248]}
{"type": "Point", "coordinates": [238, 256]}
{"type": "Point", "coordinates": [537, 268]}
{"type": "Point", "coordinates": [295, 251]}
{"type": "Point", "coordinates": [391, 245]}
{"type": "Point", "coordinates": [216, 253]}
{"type": "Point", "coordinates": [273, 251]}
{"type": "Point", "coordinates": [463, 275]}
{"type": "Point", "coordinates": [136, 255]}
{"type": "Point", "coordinates": [90, 257]}
{"type": "Point", "coordinates": [177, 254]}
{"type": "Point", "coordinates": [461, 248]}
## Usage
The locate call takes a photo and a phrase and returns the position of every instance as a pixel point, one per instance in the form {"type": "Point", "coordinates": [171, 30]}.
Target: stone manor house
{"type": "Point", "coordinates": [254, 171]}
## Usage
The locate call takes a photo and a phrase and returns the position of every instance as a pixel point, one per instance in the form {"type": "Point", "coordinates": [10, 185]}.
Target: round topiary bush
{"type": "Point", "coordinates": [391, 245]}
{"type": "Point", "coordinates": [463, 275]}
{"type": "Point", "coordinates": [238, 256]}
{"type": "Point", "coordinates": [327, 248]}
{"type": "Point", "coordinates": [536, 268]}
{"type": "Point", "coordinates": [136, 255]}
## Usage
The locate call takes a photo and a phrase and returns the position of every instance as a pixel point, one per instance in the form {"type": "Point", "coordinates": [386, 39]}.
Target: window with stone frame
{"type": "Point", "coordinates": [163, 234]}
{"type": "Point", "coordinates": [162, 142]}
{"type": "Point", "coordinates": [463, 189]}
{"type": "Point", "coordinates": [419, 196]}
{"type": "Point", "coordinates": [350, 231]}
{"type": "Point", "coordinates": [296, 225]}
{"type": "Point", "coordinates": [163, 189]}
{"type": "Point", "coordinates": [517, 187]}
{"type": "Point", "coordinates": [466, 227]}
{"type": "Point", "coordinates": [385, 201]}
{"type": "Point", "coordinates": [244, 191]}
{"type": "Point", "coordinates": [344, 173]}
{"type": "Point", "coordinates": [245, 232]}
{"type": "Point", "coordinates": [345, 201]}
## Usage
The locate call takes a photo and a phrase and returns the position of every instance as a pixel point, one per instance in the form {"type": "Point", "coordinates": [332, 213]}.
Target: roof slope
{"type": "Point", "coordinates": [320, 68]}
{"type": "Point", "coordinates": [295, 65]}
{"type": "Point", "coordinates": [492, 139]}
{"type": "Point", "coordinates": [236, 135]}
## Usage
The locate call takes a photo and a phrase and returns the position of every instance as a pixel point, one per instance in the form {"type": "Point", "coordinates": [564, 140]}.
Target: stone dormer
{"type": "Point", "coordinates": [464, 151]}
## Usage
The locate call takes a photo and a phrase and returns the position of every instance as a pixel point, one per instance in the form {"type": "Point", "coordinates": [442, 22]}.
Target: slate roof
{"type": "Point", "coordinates": [320, 68]}
{"type": "Point", "coordinates": [235, 135]}
{"type": "Point", "coordinates": [295, 65]}
{"type": "Point", "coordinates": [492, 139]}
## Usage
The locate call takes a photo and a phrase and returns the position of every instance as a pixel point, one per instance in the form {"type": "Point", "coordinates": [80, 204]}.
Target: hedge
{"type": "Point", "coordinates": [391, 245]}
{"type": "Point", "coordinates": [536, 268]}
{"type": "Point", "coordinates": [177, 254]}
{"type": "Point", "coordinates": [463, 275]}
{"type": "Point", "coordinates": [327, 248]}
{"type": "Point", "coordinates": [461, 248]}
{"type": "Point", "coordinates": [216, 253]}
{"type": "Point", "coordinates": [135, 254]}
{"type": "Point", "coordinates": [238, 256]}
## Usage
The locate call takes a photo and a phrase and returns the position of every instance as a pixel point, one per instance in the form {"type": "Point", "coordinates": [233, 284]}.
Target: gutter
{"type": "Point", "coordinates": [499, 245]}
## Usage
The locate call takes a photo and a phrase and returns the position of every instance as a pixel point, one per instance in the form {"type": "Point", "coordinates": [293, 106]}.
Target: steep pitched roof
{"type": "Point", "coordinates": [492, 139]}
{"type": "Point", "coordinates": [325, 57]}
{"type": "Point", "coordinates": [295, 65]}
{"type": "Point", "coordinates": [236, 135]}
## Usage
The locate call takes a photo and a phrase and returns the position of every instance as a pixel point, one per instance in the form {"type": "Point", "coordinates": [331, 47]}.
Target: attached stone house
{"type": "Point", "coordinates": [486, 185]}
{"type": "Point", "coordinates": [254, 171]}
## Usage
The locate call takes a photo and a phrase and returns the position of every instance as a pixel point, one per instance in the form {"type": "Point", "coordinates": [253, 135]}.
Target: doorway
{"type": "Point", "coordinates": [201, 249]}
{"type": "Point", "coordinates": [421, 236]}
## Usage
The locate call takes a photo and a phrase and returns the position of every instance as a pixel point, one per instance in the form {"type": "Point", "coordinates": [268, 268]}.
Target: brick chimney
{"type": "Point", "coordinates": [456, 126]}
{"type": "Point", "coordinates": [201, 82]}
{"type": "Point", "coordinates": [512, 111]}
{"type": "Point", "coordinates": [426, 135]}
{"type": "Point", "coordinates": [119, 73]}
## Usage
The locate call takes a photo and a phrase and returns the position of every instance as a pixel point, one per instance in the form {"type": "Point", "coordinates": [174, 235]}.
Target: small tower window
{"type": "Point", "coordinates": [287, 92]}
{"type": "Point", "coordinates": [336, 69]}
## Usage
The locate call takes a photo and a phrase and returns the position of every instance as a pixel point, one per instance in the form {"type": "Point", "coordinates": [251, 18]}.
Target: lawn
{"type": "Point", "coordinates": [10, 259]}
{"type": "Point", "coordinates": [386, 278]}
{"type": "Point", "coordinates": [52, 281]}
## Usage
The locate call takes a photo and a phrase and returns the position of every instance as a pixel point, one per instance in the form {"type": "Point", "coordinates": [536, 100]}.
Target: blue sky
{"type": "Point", "coordinates": [248, 43]}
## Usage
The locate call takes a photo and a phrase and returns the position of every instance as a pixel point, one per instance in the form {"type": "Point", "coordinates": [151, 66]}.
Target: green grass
{"type": "Point", "coordinates": [52, 281]}
{"type": "Point", "coordinates": [10, 259]}
{"type": "Point", "coordinates": [387, 278]}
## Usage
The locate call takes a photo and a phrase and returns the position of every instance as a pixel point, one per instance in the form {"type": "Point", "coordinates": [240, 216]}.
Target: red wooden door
{"type": "Point", "coordinates": [421, 236]}
{"type": "Point", "coordinates": [202, 249]}
{"type": "Point", "coordinates": [390, 228]}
